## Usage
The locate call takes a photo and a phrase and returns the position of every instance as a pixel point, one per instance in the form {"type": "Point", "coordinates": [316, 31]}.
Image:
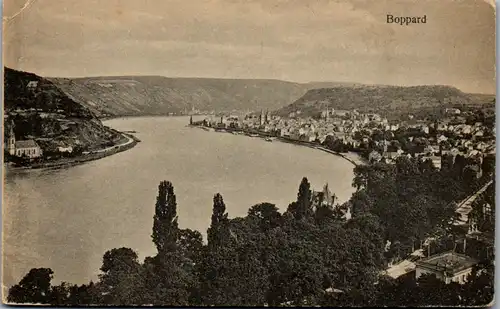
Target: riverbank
{"type": "Point", "coordinates": [105, 118]}
{"type": "Point", "coordinates": [131, 141]}
{"type": "Point", "coordinates": [114, 198]}
{"type": "Point", "coordinates": [351, 157]}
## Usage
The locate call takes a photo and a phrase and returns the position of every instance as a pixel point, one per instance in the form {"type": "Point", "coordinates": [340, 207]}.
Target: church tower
{"type": "Point", "coordinates": [11, 141]}
{"type": "Point", "coordinates": [327, 196]}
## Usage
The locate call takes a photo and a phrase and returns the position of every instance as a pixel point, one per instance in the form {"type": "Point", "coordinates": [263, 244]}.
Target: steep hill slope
{"type": "Point", "coordinates": [156, 95]}
{"type": "Point", "coordinates": [36, 109]}
{"type": "Point", "coordinates": [389, 100]}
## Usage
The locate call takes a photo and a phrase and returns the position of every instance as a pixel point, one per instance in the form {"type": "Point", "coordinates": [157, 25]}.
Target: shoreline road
{"type": "Point", "coordinates": [129, 141]}
{"type": "Point", "coordinates": [85, 157]}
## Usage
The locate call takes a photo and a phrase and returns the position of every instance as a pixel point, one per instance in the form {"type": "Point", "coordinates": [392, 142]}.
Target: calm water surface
{"type": "Point", "coordinates": [66, 219]}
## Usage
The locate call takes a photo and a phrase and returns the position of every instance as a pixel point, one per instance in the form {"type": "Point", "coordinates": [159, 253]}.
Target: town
{"type": "Point", "coordinates": [459, 137]}
{"type": "Point", "coordinates": [249, 153]}
{"type": "Point", "coordinates": [373, 136]}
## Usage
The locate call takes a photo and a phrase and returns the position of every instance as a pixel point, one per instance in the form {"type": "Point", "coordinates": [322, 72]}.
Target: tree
{"type": "Point", "coordinates": [324, 214]}
{"type": "Point", "coordinates": [266, 214]}
{"type": "Point", "coordinates": [233, 275]}
{"type": "Point", "coordinates": [60, 294]}
{"type": "Point", "coordinates": [170, 278]}
{"type": "Point", "coordinates": [295, 263]}
{"type": "Point", "coordinates": [361, 203]}
{"type": "Point", "coordinates": [303, 207]}
{"type": "Point", "coordinates": [217, 231]}
{"type": "Point", "coordinates": [66, 294]}
{"type": "Point", "coordinates": [459, 165]}
{"type": "Point", "coordinates": [121, 278]}
{"type": "Point", "coordinates": [165, 226]}
{"type": "Point", "coordinates": [488, 166]}
{"type": "Point", "coordinates": [295, 258]}
{"type": "Point", "coordinates": [469, 177]}
{"type": "Point", "coordinates": [190, 244]}
{"type": "Point", "coordinates": [85, 294]}
{"type": "Point", "coordinates": [304, 198]}
{"type": "Point", "coordinates": [370, 226]}
{"type": "Point", "coordinates": [335, 144]}
{"type": "Point", "coordinates": [479, 289]}
{"type": "Point", "coordinates": [34, 288]}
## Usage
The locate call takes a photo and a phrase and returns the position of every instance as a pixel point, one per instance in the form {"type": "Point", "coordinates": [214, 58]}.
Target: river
{"type": "Point", "coordinates": [66, 219]}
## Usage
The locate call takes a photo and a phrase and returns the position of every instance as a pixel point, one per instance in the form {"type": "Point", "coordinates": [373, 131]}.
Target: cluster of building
{"type": "Point", "coordinates": [28, 148]}
{"type": "Point", "coordinates": [450, 135]}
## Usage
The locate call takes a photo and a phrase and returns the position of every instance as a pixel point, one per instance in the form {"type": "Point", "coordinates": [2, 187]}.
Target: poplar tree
{"type": "Point", "coordinates": [167, 281]}
{"type": "Point", "coordinates": [215, 232]}
{"type": "Point", "coordinates": [303, 206]}
{"type": "Point", "coordinates": [165, 226]}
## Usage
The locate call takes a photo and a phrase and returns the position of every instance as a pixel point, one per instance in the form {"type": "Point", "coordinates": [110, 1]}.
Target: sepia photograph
{"type": "Point", "coordinates": [259, 153]}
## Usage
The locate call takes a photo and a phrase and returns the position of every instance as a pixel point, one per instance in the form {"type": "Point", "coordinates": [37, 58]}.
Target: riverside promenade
{"type": "Point", "coordinates": [352, 157]}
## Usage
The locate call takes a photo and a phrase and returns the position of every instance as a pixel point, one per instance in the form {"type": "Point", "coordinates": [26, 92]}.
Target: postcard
{"type": "Point", "coordinates": [248, 153]}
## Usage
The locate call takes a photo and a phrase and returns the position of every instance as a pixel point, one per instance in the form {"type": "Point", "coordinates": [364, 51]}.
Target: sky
{"type": "Point", "coordinates": [294, 40]}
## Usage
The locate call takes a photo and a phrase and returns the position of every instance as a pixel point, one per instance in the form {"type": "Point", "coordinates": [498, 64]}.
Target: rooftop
{"type": "Point", "coordinates": [400, 269]}
{"type": "Point", "coordinates": [26, 144]}
{"type": "Point", "coordinates": [485, 237]}
{"type": "Point", "coordinates": [449, 262]}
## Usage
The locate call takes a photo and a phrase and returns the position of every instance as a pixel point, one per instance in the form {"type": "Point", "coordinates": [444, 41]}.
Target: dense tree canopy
{"type": "Point", "coordinates": [421, 197]}
{"type": "Point", "coordinates": [306, 256]}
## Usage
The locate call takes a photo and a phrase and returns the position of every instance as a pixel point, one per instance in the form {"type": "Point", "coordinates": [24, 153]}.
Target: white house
{"type": "Point", "coordinates": [32, 85]}
{"type": "Point", "coordinates": [65, 149]}
{"type": "Point", "coordinates": [28, 148]}
{"type": "Point", "coordinates": [448, 267]}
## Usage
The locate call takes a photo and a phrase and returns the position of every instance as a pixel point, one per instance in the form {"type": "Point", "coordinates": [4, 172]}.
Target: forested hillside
{"type": "Point", "coordinates": [36, 109]}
